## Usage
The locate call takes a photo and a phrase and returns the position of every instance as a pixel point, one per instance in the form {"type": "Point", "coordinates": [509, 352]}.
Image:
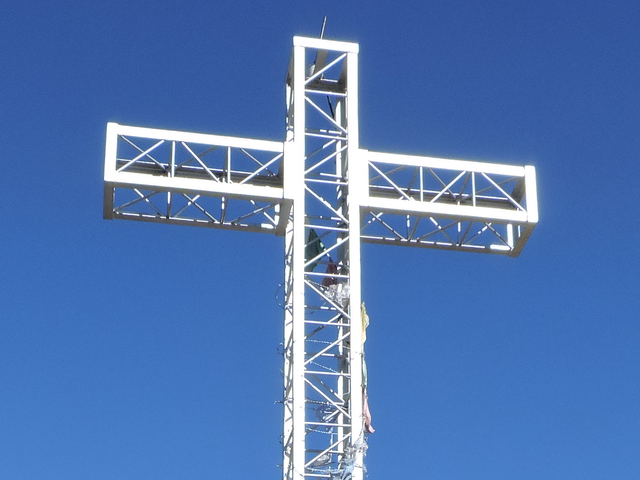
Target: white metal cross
{"type": "Point", "coordinates": [325, 195]}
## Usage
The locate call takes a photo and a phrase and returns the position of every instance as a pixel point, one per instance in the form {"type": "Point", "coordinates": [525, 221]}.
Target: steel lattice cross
{"type": "Point", "coordinates": [325, 195]}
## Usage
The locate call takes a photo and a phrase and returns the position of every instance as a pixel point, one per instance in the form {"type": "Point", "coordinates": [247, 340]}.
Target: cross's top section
{"type": "Point", "coordinates": [247, 184]}
{"type": "Point", "coordinates": [324, 44]}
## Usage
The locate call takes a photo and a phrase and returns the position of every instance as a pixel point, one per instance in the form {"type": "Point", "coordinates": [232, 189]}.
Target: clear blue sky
{"type": "Point", "coordinates": [138, 351]}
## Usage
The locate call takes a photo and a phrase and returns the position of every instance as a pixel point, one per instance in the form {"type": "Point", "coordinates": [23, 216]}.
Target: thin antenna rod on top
{"type": "Point", "coordinates": [324, 24]}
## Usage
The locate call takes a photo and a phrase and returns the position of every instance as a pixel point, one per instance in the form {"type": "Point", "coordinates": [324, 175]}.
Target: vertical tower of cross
{"type": "Point", "coordinates": [325, 195]}
{"type": "Point", "coordinates": [323, 423]}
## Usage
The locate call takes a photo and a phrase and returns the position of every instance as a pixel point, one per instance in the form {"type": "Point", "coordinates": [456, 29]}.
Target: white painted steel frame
{"type": "Point", "coordinates": [323, 422]}
{"type": "Point", "coordinates": [325, 195]}
{"type": "Point", "coordinates": [168, 176]}
{"type": "Point", "coordinates": [468, 206]}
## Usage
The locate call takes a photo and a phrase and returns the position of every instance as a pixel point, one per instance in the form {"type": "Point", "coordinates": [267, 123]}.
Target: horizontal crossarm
{"type": "Point", "coordinates": [194, 179]}
{"type": "Point", "coordinates": [449, 204]}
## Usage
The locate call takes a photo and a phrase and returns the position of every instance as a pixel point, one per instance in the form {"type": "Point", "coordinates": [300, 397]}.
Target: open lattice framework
{"type": "Point", "coordinates": [325, 195]}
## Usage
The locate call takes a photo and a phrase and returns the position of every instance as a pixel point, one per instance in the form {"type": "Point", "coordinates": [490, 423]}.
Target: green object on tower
{"type": "Point", "coordinates": [313, 249]}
